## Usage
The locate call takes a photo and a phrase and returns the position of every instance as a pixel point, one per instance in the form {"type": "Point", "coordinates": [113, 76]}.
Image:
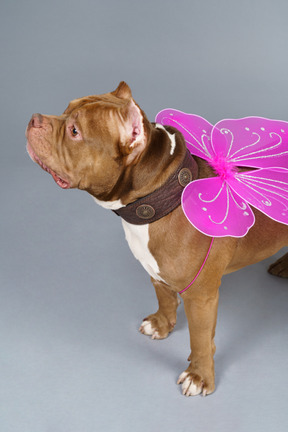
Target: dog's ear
{"type": "Point", "coordinates": [132, 134]}
{"type": "Point", "coordinates": [123, 91]}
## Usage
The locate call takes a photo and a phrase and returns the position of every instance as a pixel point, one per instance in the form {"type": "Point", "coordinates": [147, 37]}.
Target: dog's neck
{"type": "Point", "coordinates": [165, 150]}
{"type": "Point", "coordinates": [164, 200]}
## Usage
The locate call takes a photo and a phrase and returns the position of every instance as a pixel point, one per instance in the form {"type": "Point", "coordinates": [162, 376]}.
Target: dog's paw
{"type": "Point", "coordinates": [280, 267]}
{"type": "Point", "coordinates": [147, 329]}
{"type": "Point", "coordinates": [156, 326]}
{"type": "Point", "coordinates": [193, 384]}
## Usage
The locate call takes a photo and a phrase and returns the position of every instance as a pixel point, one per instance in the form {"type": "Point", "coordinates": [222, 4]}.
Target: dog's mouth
{"type": "Point", "coordinates": [60, 182]}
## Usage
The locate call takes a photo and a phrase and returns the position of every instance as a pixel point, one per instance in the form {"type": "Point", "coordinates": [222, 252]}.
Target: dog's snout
{"type": "Point", "coordinates": [36, 121]}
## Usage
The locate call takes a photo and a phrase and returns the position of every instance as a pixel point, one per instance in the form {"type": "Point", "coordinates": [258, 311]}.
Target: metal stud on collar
{"type": "Point", "coordinates": [145, 211]}
{"type": "Point", "coordinates": [184, 177]}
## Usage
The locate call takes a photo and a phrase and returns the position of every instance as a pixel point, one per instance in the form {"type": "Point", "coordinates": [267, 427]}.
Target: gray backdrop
{"type": "Point", "coordinates": [72, 295]}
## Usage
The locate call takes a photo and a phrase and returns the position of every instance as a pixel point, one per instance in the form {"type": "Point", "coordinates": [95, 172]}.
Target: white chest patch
{"type": "Point", "coordinates": [110, 205]}
{"type": "Point", "coordinates": [137, 237]}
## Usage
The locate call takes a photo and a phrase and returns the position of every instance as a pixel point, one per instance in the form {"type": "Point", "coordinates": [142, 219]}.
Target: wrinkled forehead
{"type": "Point", "coordinates": [95, 102]}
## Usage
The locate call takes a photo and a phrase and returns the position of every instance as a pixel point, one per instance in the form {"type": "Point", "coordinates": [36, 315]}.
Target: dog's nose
{"type": "Point", "coordinates": [36, 121]}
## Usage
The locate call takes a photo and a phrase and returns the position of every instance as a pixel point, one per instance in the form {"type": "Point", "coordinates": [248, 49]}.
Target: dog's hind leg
{"type": "Point", "coordinates": [280, 267]}
{"type": "Point", "coordinates": [161, 323]}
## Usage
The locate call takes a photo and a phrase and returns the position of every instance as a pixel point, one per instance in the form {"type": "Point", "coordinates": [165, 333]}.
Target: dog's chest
{"type": "Point", "coordinates": [137, 237]}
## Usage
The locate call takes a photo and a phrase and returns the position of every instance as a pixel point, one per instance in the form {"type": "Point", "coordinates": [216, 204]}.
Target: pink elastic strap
{"type": "Point", "coordinates": [188, 286]}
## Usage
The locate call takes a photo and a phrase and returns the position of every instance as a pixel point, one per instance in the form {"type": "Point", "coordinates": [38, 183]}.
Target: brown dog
{"type": "Point", "coordinates": [106, 146]}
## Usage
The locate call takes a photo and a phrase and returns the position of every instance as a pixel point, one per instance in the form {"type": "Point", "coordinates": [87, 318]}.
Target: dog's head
{"type": "Point", "coordinates": [92, 143]}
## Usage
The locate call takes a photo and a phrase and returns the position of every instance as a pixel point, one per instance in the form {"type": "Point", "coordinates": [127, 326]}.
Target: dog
{"type": "Point", "coordinates": [106, 146]}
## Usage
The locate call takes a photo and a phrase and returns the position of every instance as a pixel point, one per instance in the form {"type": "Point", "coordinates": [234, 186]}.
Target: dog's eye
{"type": "Point", "coordinates": [74, 131]}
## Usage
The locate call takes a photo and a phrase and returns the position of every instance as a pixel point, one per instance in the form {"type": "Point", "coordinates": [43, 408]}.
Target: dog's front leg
{"type": "Point", "coordinates": [161, 323]}
{"type": "Point", "coordinates": [200, 303]}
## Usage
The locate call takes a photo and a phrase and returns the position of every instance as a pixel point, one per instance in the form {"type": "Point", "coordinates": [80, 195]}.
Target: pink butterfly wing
{"type": "Point", "coordinates": [252, 141]}
{"type": "Point", "coordinates": [266, 190]}
{"type": "Point", "coordinates": [215, 210]}
{"type": "Point", "coordinates": [195, 129]}
{"type": "Point", "coordinates": [219, 206]}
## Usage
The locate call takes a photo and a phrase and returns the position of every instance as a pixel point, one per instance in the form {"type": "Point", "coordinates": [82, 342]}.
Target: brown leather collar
{"type": "Point", "coordinates": [163, 200]}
